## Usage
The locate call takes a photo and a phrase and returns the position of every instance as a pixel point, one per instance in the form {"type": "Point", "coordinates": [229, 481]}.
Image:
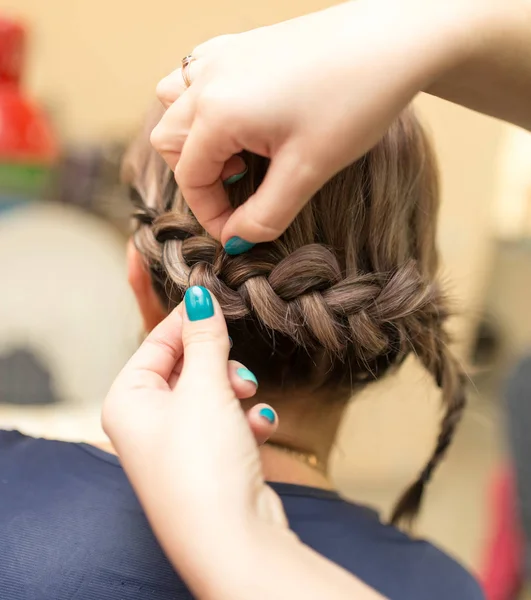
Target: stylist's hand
{"type": "Point", "coordinates": [313, 94]}
{"type": "Point", "coordinates": [177, 400]}
{"type": "Point", "coordinates": [173, 416]}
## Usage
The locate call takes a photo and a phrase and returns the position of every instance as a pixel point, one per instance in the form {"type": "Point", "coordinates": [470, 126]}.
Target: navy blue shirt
{"type": "Point", "coordinates": [71, 528]}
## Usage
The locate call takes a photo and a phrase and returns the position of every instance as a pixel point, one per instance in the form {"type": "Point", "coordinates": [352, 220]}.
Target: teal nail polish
{"type": "Point", "coordinates": [236, 177]}
{"type": "Point", "coordinates": [237, 246]}
{"type": "Point", "coordinates": [247, 375]}
{"type": "Point", "coordinates": [198, 303]}
{"type": "Point", "coordinates": [268, 414]}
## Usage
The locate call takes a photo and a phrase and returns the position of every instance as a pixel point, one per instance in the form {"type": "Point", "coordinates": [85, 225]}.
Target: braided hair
{"type": "Point", "coordinates": [342, 297]}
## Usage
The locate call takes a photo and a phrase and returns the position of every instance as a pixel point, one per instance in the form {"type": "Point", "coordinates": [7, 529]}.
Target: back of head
{"type": "Point", "coordinates": [346, 293]}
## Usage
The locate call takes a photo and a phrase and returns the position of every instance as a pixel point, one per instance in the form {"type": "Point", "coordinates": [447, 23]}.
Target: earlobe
{"type": "Point", "coordinates": [140, 282]}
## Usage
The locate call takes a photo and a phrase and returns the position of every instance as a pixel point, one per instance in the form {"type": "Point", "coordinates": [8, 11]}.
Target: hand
{"type": "Point", "coordinates": [174, 417]}
{"type": "Point", "coordinates": [312, 94]}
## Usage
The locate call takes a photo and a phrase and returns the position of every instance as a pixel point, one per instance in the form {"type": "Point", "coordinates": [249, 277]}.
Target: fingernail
{"type": "Point", "coordinates": [247, 375]}
{"type": "Point", "coordinates": [198, 303]}
{"type": "Point", "coordinates": [268, 414]}
{"type": "Point", "coordinates": [231, 342]}
{"type": "Point", "coordinates": [237, 246]}
{"type": "Point", "coordinates": [234, 178]}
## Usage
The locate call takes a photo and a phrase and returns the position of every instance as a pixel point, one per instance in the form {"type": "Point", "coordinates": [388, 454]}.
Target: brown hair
{"type": "Point", "coordinates": [346, 293]}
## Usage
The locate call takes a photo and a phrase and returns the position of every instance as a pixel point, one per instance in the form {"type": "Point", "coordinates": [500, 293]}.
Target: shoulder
{"type": "Point", "coordinates": [10, 437]}
{"type": "Point", "coordinates": [437, 569]}
{"type": "Point", "coordinates": [16, 446]}
{"type": "Point", "coordinates": [417, 569]}
{"type": "Point", "coordinates": [397, 565]}
{"type": "Point", "coordinates": [16, 439]}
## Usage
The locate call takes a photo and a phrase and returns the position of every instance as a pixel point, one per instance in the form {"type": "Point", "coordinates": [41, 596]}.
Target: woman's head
{"type": "Point", "coordinates": [341, 298]}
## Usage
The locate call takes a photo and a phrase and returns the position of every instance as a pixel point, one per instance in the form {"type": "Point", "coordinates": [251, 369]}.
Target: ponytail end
{"type": "Point", "coordinates": [408, 506]}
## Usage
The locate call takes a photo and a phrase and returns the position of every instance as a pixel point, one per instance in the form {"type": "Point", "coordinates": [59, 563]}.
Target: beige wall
{"type": "Point", "coordinates": [96, 63]}
{"type": "Point", "coordinates": [512, 207]}
{"type": "Point", "coordinates": [468, 147]}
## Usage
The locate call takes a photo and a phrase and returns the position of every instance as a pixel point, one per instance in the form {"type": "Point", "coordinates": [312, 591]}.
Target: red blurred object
{"type": "Point", "coordinates": [12, 40]}
{"type": "Point", "coordinates": [502, 573]}
{"type": "Point", "coordinates": [26, 135]}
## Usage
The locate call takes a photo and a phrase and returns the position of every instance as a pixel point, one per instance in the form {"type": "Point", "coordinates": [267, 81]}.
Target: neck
{"type": "Point", "coordinates": [282, 467]}
{"type": "Point", "coordinates": [306, 425]}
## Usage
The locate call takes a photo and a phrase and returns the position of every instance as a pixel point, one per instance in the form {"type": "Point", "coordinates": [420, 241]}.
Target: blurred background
{"type": "Point", "coordinates": [75, 80]}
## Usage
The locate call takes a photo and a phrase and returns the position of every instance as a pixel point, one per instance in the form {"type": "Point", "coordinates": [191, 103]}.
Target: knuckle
{"type": "Point", "coordinates": [118, 420]}
{"type": "Point", "coordinates": [140, 379]}
{"type": "Point", "coordinates": [111, 415]}
{"type": "Point", "coordinates": [261, 223]}
{"type": "Point", "coordinates": [160, 341]}
{"type": "Point", "coordinates": [216, 105]}
{"type": "Point", "coordinates": [108, 422]}
{"type": "Point", "coordinates": [211, 45]}
{"type": "Point", "coordinates": [181, 175]}
{"type": "Point", "coordinates": [167, 147]}
{"type": "Point", "coordinates": [163, 89]}
{"type": "Point", "coordinates": [201, 49]}
{"type": "Point", "coordinates": [203, 336]}
{"type": "Point", "coordinates": [158, 137]}
{"type": "Point", "coordinates": [305, 162]}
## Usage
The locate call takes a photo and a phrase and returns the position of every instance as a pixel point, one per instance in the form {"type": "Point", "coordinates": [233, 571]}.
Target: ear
{"type": "Point", "coordinates": [140, 282]}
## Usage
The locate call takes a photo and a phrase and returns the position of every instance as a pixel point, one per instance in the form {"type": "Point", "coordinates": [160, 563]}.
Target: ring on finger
{"type": "Point", "coordinates": [185, 69]}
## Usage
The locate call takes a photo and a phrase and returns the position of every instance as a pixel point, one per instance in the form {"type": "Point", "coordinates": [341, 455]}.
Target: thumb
{"type": "Point", "coordinates": [287, 187]}
{"type": "Point", "coordinates": [205, 341]}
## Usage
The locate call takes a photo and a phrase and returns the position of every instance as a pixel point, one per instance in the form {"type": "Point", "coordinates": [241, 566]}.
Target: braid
{"type": "Point", "coordinates": [451, 379]}
{"type": "Point", "coordinates": [301, 294]}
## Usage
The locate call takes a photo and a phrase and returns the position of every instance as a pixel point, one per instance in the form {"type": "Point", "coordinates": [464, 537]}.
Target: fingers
{"type": "Point", "coordinates": [263, 422]}
{"type": "Point", "coordinates": [200, 159]}
{"type": "Point", "coordinates": [287, 187]}
{"type": "Point", "coordinates": [171, 132]}
{"type": "Point", "coordinates": [233, 170]}
{"type": "Point", "coordinates": [242, 380]}
{"type": "Point", "coordinates": [199, 173]}
{"type": "Point", "coordinates": [205, 343]}
{"type": "Point", "coordinates": [158, 354]}
{"type": "Point", "coordinates": [172, 86]}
